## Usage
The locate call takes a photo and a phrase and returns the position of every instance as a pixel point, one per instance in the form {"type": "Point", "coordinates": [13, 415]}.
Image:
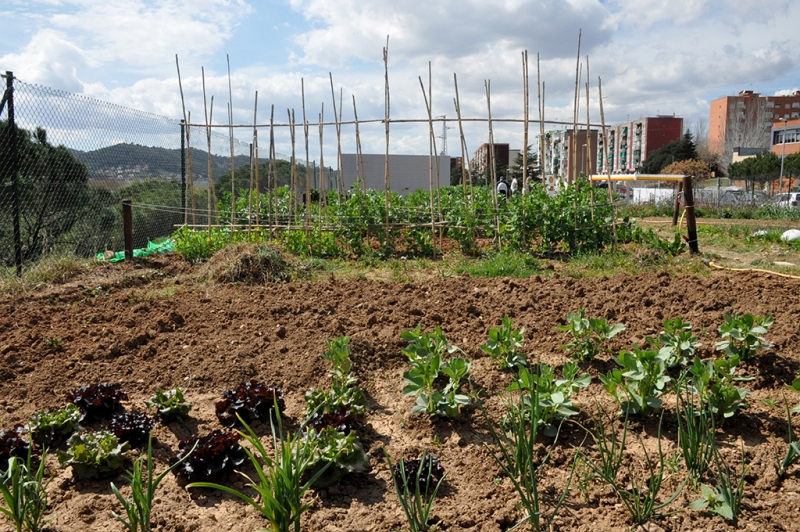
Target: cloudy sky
{"type": "Point", "coordinates": [654, 57]}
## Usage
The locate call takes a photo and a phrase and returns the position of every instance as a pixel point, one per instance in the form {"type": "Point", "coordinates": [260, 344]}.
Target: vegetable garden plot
{"type": "Point", "coordinates": [148, 331]}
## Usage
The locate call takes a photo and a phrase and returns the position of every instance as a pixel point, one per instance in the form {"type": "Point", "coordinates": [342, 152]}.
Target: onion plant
{"type": "Point", "coordinates": [793, 452]}
{"type": "Point", "coordinates": [280, 486]}
{"type": "Point", "coordinates": [516, 456]}
{"type": "Point", "coordinates": [695, 436]}
{"type": "Point", "coordinates": [639, 498]}
{"type": "Point", "coordinates": [417, 494]}
{"type": "Point", "coordinates": [143, 488]}
{"type": "Point", "coordinates": [24, 493]}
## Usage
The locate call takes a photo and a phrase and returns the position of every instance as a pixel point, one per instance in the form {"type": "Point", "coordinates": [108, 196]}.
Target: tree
{"type": "Point", "coordinates": [52, 191]}
{"type": "Point", "coordinates": [242, 178]}
{"type": "Point", "coordinates": [762, 168]}
{"type": "Point", "coordinates": [747, 127]}
{"type": "Point", "coordinates": [692, 167]}
{"type": "Point", "coordinates": [515, 170]}
{"type": "Point", "coordinates": [680, 150]}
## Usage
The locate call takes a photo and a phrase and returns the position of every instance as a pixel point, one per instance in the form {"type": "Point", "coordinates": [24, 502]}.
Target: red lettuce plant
{"type": "Point", "coordinates": [216, 454]}
{"type": "Point", "coordinates": [131, 427]}
{"type": "Point", "coordinates": [250, 400]}
{"type": "Point", "coordinates": [98, 401]}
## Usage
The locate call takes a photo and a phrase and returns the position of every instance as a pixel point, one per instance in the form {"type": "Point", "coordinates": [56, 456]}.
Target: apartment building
{"type": "Point", "coordinates": [747, 120]}
{"type": "Point", "coordinates": [630, 144]}
{"type": "Point", "coordinates": [482, 158]}
{"type": "Point", "coordinates": [557, 160]}
{"type": "Point", "coordinates": [786, 137]}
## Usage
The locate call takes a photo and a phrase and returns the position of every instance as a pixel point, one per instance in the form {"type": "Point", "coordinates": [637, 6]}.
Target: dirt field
{"type": "Point", "coordinates": [151, 325]}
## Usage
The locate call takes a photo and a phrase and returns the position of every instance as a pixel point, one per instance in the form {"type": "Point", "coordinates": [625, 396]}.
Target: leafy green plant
{"type": "Point", "coordinates": [169, 405]}
{"type": "Point", "coordinates": [416, 488]}
{"type": "Point", "coordinates": [587, 334]}
{"type": "Point", "coordinates": [796, 387]}
{"type": "Point", "coordinates": [343, 452]}
{"type": "Point", "coordinates": [424, 353]}
{"type": "Point", "coordinates": [280, 486]}
{"type": "Point", "coordinates": [503, 345]}
{"type": "Point", "coordinates": [143, 488]}
{"type": "Point", "coordinates": [726, 499]}
{"type": "Point", "coordinates": [516, 455]}
{"type": "Point", "coordinates": [53, 343]}
{"type": "Point", "coordinates": [743, 335]}
{"type": "Point", "coordinates": [94, 454]}
{"type": "Point", "coordinates": [344, 391]}
{"type": "Point", "coordinates": [676, 342]}
{"type": "Point", "coordinates": [554, 394]}
{"type": "Point", "coordinates": [51, 427]}
{"type": "Point", "coordinates": [695, 435]}
{"type": "Point", "coordinates": [641, 382]}
{"type": "Point", "coordinates": [24, 493]}
{"type": "Point", "coordinates": [639, 498]}
{"type": "Point", "coordinates": [714, 381]}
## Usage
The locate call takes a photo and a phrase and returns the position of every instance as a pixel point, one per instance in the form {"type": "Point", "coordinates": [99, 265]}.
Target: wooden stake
{"type": "Point", "coordinates": [293, 191]}
{"type": "Point", "coordinates": [432, 154]}
{"type": "Point", "coordinates": [186, 121]}
{"type": "Point", "coordinates": [487, 84]}
{"type": "Point", "coordinates": [605, 159]}
{"type": "Point", "coordinates": [322, 184]}
{"type": "Point", "coordinates": [525, 119]}
{"type": "Point", "coordinates": [272, 176]}
{"type": "Point", "coordinates": [307, 202]}
{"type": "Point", "coordinates": [233, 165]}
{"type": "Point", "coordinates": [387, 182]}
{"type": "Point", "coordinates": [540, 97]}
{"type": "Point", "coordinates": [338, 119]}
{"type": "Point", "coordinates": [255, 148]}
{"type": "Point", "coordinates": [210, 186]}
{"type": "Point", "coordinates": [465, 174]}
{"type": "Point", "coordinates": [575, 109]}
{"type": "Point", "coordinates": [359, 159]}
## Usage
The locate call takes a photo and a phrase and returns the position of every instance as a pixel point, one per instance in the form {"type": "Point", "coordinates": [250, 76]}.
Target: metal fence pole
{"type": "Point", "coordinates": [183, 172]}
{"type": "Point", "coordinates": [127, 228]}
{"type": "Point", "coordinates": [14, 163]}
{"type": "Point", "coordinates": [691, 223]}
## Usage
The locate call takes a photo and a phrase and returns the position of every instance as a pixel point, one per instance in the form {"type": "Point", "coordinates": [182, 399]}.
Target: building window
{"type": "Point", "coordinates": [796, 105]}
{"type": "Point", "coordinates": [777, 106]}
{"type": "Point", "coordinates": [770, 105]}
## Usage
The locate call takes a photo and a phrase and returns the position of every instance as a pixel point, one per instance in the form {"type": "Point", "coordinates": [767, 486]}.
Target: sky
{"type": "Point", "coordinates": [653, 57]}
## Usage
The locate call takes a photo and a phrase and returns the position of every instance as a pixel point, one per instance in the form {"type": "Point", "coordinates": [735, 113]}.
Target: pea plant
{"type": "Point", "coordinates": [587, 334]}
{"type": "Point", "coordinates": [641, 381]}
{"type": "Point", "coordinates": [425, 352]}
{"type": "Point", "coordinates": [554, 395]}
{"type": "Point", "coordinates": [677, 342]}
{"type": "Point", "coordinates": [743, 335]}
{"type": "Point", "coordinates": [503, 345]}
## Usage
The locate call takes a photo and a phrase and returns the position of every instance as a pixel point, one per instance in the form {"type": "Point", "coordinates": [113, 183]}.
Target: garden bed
{"type": "Point", "coordinates": [154, 325]}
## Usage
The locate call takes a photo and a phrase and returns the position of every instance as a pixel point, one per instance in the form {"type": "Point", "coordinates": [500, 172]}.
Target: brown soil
{"type": "Point", "coordinates": [155, 325]}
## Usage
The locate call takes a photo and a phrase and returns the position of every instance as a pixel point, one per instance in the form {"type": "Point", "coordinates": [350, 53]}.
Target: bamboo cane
{"type": "Point", "coordinates": [605, 159]}
{"type": "Point", "coordinates": [307, 203]}
{"type": "Point", "coordinates": [186, 121]}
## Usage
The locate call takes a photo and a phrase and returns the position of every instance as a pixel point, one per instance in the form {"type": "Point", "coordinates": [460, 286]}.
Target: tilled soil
{"type": "Point", "coordinates": [154, 325]}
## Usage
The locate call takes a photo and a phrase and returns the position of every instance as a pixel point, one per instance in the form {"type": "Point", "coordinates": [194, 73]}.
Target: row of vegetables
{"type": "Point", "coordinates": [327, 445]}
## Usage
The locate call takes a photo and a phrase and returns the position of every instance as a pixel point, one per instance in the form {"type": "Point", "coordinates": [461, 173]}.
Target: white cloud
{"type": "Point", "coordinates": [48, 59]}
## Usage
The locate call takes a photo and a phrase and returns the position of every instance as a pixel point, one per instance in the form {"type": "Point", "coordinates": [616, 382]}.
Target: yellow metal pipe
{"type": "Point", "coordinates": [639, 177]}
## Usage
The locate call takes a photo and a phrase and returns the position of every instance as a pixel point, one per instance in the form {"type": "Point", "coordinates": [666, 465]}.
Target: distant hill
{"type": "Point", "coordinates": [127, 162]}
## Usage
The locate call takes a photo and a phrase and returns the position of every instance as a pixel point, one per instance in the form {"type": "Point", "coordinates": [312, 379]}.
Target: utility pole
{"type": "Point", "coordinates": [444, 134]}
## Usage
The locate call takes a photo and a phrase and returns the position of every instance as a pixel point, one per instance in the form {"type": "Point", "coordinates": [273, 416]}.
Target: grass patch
{"type": "Point", "coordinates": [501, 264]}
{"type": "Point", "coordinates": [53, 269]}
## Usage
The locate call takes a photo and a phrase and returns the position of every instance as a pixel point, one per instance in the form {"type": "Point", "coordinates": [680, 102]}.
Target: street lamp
{"type": "Point", "coordinates": [783, 156]}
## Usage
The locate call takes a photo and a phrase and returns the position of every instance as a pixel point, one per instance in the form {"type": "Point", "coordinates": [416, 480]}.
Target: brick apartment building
{"type": "Point", "coordinates": [630, 144]}
{"type": "Point", "coordinates": [482, 158]}
{"type": "Point", "coordinates": [747, 120]}
{"type": "Point", "coordinates": [786, 137]}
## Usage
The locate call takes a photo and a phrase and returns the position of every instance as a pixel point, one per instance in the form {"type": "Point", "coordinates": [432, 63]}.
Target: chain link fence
{"type": "Point", "coordinates": [67, 161]}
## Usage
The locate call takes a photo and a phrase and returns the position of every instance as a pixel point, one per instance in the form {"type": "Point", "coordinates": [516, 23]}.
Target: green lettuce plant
{"type": "Point", "coordinates": [52, 426]}
{"type": "Point", "coordinates": [169, 405]}
{"type": "Point", "coordinates": [94, 454]}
